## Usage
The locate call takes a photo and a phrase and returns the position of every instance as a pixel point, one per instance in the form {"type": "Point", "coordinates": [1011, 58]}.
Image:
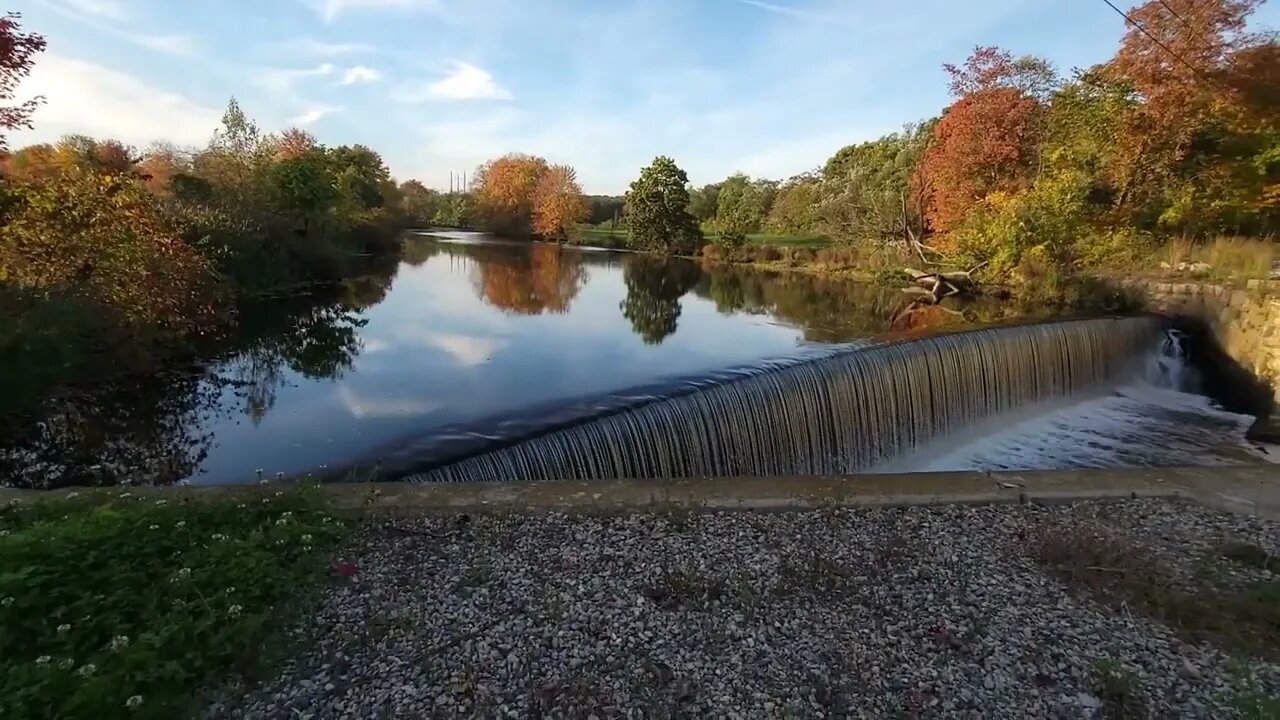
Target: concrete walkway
{"type": "Point", "coordinates": [1246, 489]}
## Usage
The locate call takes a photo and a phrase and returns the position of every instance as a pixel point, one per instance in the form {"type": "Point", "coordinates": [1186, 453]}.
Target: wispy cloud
{"type": "Point", "coordinates": [311, 47]}
{"type": "Point", "coordinates": [105, 9]}
{"type": "Point", "coordinates": [279, 79]}
{"type": "Point", "coordinates": [314, 115]}
{"type": "Point", "coordinates": [360, 74]}
{"type": "Point", "coordinates": [124, 107]}
{"type": "Point", "coordinates": [329, 10]}
{"type": "Point", "coordinates": [374, 407]}
{"type": "Point", "coordinates": [168, 44]}
{"type": "Point", "coordinates": [463, 81]}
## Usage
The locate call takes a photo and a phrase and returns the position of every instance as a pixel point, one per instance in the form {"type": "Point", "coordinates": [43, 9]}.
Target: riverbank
{"type": "Point", "coordinates": [948, 611]}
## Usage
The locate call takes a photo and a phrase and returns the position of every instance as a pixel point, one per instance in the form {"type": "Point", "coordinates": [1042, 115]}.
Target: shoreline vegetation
{"type": "Point", "coordinates": [121, 265]}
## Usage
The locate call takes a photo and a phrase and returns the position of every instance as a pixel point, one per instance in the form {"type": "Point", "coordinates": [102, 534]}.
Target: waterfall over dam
{"type": "Point", "coordinates": [850, 411]}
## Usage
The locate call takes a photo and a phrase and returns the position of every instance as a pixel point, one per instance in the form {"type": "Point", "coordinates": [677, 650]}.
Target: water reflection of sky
{"type": "Point", "coordinates": [435, 352]}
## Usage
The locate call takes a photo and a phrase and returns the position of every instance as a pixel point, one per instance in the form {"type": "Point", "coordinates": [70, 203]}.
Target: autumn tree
{"type": "Point", "coordinates": [294, 142]}
{"type": "Point", "coordinates": [504, 193]}
{"type": "Point", "coordinates": [103, 238]}
{"type": "Point", "coordinates": [17, 56]}
{"type": "Point", "coordinates": [1183, 152]}
{"type": "Point", "coordinates": [987, 140]}
{"type": "Point", "coordinates": [558, 204]}
{"type": "Point", "coordinates": [657, 205]}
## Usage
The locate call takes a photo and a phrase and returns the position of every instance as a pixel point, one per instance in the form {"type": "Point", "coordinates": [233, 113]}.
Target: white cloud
{"type": "Point", "coordinates": [168, 44]}
{"type": "Point", "coordinates": [314, 115]}
{"type": "Point", "coordinates": [466, 350]}
{"type": "Point", "coordinates": [319, 48]}
{"type": "Point", "coordinates": [82, 97]}
{"type": "Point", "coordinates": [329, 10]}
{"type": "Point", "coordinates": [463, 81]}
{"type": "Point", "coordinates": [367, 407]}
{"type": "Point", "coordinates": [105, 9]}
{"type": "Point", "coordinates": [360, 74]}
{"type": "Point", "coordinates": [280, 79]}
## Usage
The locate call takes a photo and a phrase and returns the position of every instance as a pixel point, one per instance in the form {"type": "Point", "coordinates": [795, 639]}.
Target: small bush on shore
{"type": "Point", "coordinates": [126, 608]}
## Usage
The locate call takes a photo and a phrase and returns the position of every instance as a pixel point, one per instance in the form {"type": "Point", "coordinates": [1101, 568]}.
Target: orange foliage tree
{"type": "Point", "coordinates": [558, 204]}
{"type": "Point", "coordinates": [986, 140]}
{"type": "Point", "coordinates": [102, 237]}
{"type": "Point", "coordinates": [293, 143]}
{"type": "Point", "coordinates": [504, 192]}
{"type": "Point", "coordinates": [1200, 78]}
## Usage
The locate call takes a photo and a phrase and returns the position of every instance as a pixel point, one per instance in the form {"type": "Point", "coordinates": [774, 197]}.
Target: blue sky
{"type": "Point", "coordinates": [768, 87]}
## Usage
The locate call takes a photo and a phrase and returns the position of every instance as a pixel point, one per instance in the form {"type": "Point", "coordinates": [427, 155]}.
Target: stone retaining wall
{"type": "Point", "coordinates": [1244, 319]}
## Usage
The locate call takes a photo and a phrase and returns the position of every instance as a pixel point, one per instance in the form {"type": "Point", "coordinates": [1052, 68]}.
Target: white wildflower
{"type": "Point", "coordinates": [184, 573]}
{"type": "Point", "coordinates": [280, 493]}
{"type": "Point", "coordinates": [87, 670]}
{"type": "Point", "coordinates": [182, 524]}
{"type": "Point", "coordinates": [66, 664]}
{"type": "Point", "coordinates": [306, 538]}
{"type": "Point", "coordinates": [155, 527]}
{"type": "Point", "coordinates": [124, 495]}
{"type": "Point", "coordinates": [134, 702]}
{"type": "Point", "coordinates": [234, 610]}
{"type": "Point", "coordinates": [161, 503]}
{"type": "Point", "coordinates": [44, 660]}
{"type": "Point", "coordinates": [72, 495]}
{"type": "Point", "coordinates": [3, 533]}
{"type": "Point", "coordinates": [119, 642]}
{"type": "Point", "coordinates": [6, 602]}
{"type": "Point", "coordinates": [306, 548]}
{"type": "Point", "coordinates": [230, 590]}
{"type": "Point", "coordinates": [64, 628]}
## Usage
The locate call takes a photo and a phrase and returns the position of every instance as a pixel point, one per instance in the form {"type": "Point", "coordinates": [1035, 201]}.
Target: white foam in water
{"type": "Point", "coordinates": [1159, 420]}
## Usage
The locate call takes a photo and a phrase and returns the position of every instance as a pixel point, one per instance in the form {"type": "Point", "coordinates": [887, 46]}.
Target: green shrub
{"type": "Point", "coordinates": [127, 608]}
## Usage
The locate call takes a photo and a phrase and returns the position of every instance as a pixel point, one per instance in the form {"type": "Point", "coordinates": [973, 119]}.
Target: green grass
{"type": "Point", "coordinates": [128, 607]}
{"type": "Point", "coordinates": [1226, 257]}
{"type": "Point", "coordinates": [613, 237]}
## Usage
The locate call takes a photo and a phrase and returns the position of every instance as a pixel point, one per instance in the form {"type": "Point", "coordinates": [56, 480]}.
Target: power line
{"type": "Point", "coordinates": [1155, 40]}
{"type": "Point", "coordinates": [1174, 13]}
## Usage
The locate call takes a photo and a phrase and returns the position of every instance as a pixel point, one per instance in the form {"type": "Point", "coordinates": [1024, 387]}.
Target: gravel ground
{"type": "Point", "coordinates": [916, 612]}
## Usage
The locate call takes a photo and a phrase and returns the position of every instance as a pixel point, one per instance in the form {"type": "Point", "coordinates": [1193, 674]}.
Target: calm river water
{"type": "Point", "coordinates": [472, 330]}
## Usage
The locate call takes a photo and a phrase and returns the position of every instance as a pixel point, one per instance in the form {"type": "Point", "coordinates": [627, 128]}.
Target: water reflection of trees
{"type": "Point", "coordinates": [120, 416]}
{"type": "Point", "coordinates": [654, 289]}
{"type": "Point", "coordinates": [827, 309]}
{"type": "Point", "coordinates": [527, 280]}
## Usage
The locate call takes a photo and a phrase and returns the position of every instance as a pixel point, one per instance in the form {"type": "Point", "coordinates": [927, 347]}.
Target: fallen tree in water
{"type": "Point", "coordinates": [934, 287]}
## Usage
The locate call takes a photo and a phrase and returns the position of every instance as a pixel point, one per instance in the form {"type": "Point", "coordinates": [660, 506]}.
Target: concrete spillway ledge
{"type": "Point", "coordinates": [1249, 489]}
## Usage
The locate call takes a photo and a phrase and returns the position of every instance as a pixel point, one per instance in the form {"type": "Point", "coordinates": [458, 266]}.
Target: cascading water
{"type": "Point", "coordinates": [850, 411]}
{"type": "Point", "coordinates": [1156, 419]}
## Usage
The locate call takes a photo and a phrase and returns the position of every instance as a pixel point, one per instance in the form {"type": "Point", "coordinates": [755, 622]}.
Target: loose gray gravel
{"type": "Point", "coordinates": [912, 612]}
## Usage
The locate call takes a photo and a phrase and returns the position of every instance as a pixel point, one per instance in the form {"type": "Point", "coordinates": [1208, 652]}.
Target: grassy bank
{"type": "Point", "coordinates": [617, 238]}
{"type": "Point", "coordinates": [127, 607]}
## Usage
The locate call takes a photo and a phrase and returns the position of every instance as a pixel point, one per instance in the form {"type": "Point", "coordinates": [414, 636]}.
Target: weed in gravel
{"type": "Point", "coordinates": [1119, 689]}
{"type": "Point", "coordinates": [1115, 569]}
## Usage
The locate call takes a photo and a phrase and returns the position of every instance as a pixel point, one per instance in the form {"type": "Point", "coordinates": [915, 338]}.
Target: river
{"type": "Point", "coordinates": [466, 340]}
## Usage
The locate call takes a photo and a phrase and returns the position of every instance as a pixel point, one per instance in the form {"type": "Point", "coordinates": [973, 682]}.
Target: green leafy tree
{"type": "Point", "coordinates": [654, 289]}
{"type": "Point", "coordinates": [657, 204]}
{"type": "Point", "coordinates": [795, 209]}
{"type": "Point", "coordinates": [740, 209]}
{"type": "Point", "coordinates": [306, 190]}
{"type": "Point", "coordinates": [704, 201]}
